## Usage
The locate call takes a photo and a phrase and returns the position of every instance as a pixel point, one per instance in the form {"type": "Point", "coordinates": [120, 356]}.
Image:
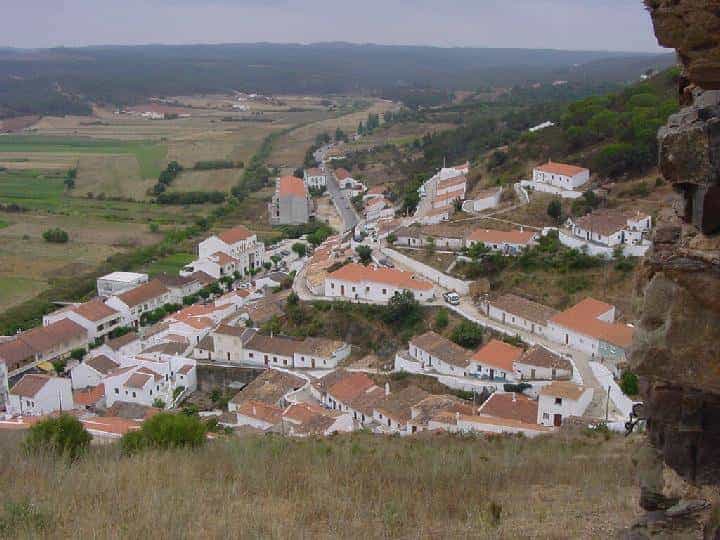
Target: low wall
{"type": "Point", "coordinates": [210, 377]}
{"type": "Point", "coordinates": [429, 273]}
{"type": "Point", "coordinates": [545, 188]}
{"type": "Point", "coordinates": [623, 403]}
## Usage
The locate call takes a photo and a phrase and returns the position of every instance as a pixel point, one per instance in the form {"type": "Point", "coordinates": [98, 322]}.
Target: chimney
{"type": "Point", "coordinates": [387, 388]}
{"type": "Point", "coordinates": [254, 411]}
{"type": "Point", "coordinates": [514, 397]}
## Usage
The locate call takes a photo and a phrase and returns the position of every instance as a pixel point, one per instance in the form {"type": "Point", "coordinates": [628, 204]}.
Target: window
{"type": "Point", "coordinates": [251, 355]}
{"type": "Point", "coordinates": [151, 392]}
{"type": "Point", "coordinates": [546, 416]}
{"type": "Point", "coordinates": [117, 390]}
{"type": "Point", "coordinates": [134, 395]}
{"type": "Point", "coordinates": [385, 291]}
{"type": "Point", "coordinates": [367, 289]}
{"type": "Point", "coordinates": [558, 401]}
{"type": "Point", "coordinates": [332, 285]}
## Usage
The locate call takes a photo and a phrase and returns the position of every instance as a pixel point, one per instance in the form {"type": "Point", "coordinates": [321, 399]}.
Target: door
{"type": "Point", "coordinates": [342, 290]}
{"type": "Point", "coordinates": [312, 362]}
{"type": "Point", "coordinates": [567, 339]}
{"type": "Point", "coordinates": [557, 420]}
{"type": "Point", "coordinates": [492, 374]}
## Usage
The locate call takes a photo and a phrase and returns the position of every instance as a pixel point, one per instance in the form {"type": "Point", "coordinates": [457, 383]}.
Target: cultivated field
{"type": "Point", "coordinates": [358, 486]}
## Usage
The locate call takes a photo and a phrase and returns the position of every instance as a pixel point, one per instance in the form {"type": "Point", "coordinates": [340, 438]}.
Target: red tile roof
{"type": "Point", "coordinates": [223, 258]}
{"type": "Point", "coordinates": [89, 396]}
{"type": "Point", "coordinates": [583, 318]}
{"type": "Point", "coordinates": [143, 293]}
{"type": "Point", "coordinates": [30, 385]}
{"type": "Point", "coordinates": [357, 273]}
{"type": "Point", "coordinates": [350, 387]}
{"type": "Point", "coordinates": [512, 406]}
{"type": "Point", "coordinates": [493, 236]}
{"type": "Point", "coordinates": [44, 338]}
{"type": "Point", "coordinates": [260, 410]}
{"type": "Point", "coordinates": [498, 354]}
{"type": "Point", "coordinates": [560, 168]}
{"type": "Point", "coordinates": [235, 235]}
{"type": "Point", "coordinates": [95, 310]}
{"type": "Point", "coordinates": [564, 389]}
{"type": "Point", "coordinates": [291, 186]}
{"type": "Point", "coordinates": [342, 174]}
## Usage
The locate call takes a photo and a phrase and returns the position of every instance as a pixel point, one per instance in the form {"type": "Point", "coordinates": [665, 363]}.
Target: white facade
{"type": "Point", "coordinates": [131, 314]}
{"type": "Point", "coordinates": [371, 291]}
{"type": "Point", "coordinates": [245, 248]}
{"type": "Point", "coordinates": [483, 201]}
{"type": "Point", "coordinates": [118, 282]}
{"type": "Point", "coordinates": [55, 395]}
{"type": "Point", "coordinates": [512, 319]}
{"type": "Point", "coordinates": [4, 389]}
{"type": "Point", "coordinates": [95, 329]}
{"type": "Point", "coordinates": [553, 409]}
{"type": "Point", "coordinates": [84, 376]}
{"type": "Point", "coordinates": [559, 179]}
{"type": "Point", "coordinates": [314, 178]}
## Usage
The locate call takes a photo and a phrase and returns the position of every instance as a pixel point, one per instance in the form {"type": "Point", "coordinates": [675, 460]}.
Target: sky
{"type": "Point", "coordinates": [617, 25]}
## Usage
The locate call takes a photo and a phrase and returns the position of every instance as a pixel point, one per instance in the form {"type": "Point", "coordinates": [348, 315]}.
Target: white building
{"type": "Point", "coordinates": [92, 370]}
{"type": "Point", "coordinates": [378, 208]}
{"type": "Point", "coordinates": [484, 200]}
{"type": "Point", "coordinates": [95, 316]}
{"type": "Point", "coordinates": [118, 282]}
{"type": "Point", "coordinates": [357, 282]}
{"type": "Point", "coordinates": [239, 243]}
{"type": "Point", "coordinates": [35, 395]}
{"type": "Point", "coordinates": [561, 175]}
{"type": "Point", "coordinates": [436, 353]}
{"type": "Point", "coordinates": [495, 362]}
{"type": "Point", "coordinates": [133, 303]}
{"type": "Point", "coordinates": [258, 414]}
{"type": "Point", "coordinates": [560, 400]}
{"type": "Point", "coordinates": [612, 228]}
{"type": "Point", "coordinates": [540, 363]}
{"type": "Point", "coordinates": [395, 411]}
{"type": "Point", "coordinates": [286, 352]}
{"type": "Point", "coordinates": [315, 178]}
{"type": "Point", "coordinates": [506, 242]}
{"type": "Point", "coordinates": [521, 313]}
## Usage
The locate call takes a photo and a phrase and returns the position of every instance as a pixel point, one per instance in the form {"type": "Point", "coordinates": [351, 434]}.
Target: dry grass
{"type": "Point", "coordinates": [357, 486]}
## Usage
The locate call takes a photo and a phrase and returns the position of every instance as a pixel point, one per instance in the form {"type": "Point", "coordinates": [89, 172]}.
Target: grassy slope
{"type": "Point", "coordinates": [343, 487]}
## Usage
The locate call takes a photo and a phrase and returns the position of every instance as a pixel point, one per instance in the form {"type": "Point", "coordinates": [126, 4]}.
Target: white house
{"type": "Point", "coordinates": [126, 345]}
{"type": "Point", "coordinates": [133, 303]}
{"type": "Point", "coordinates": [506, 242]}
{"type": "Point", "coordinates": [357, 282]}
{"type": "Point", "coordinates": [181, 286]}
{"type": "Point", "coordinates": [562, 399]}
{"type": "Point", "coordinates": [484, 200]}
{"type": "Point", "coordinates": [118, 282]}
{"type": "Point", "coordinates": [35, 395]}
{"type": "Point", "coordinates": [95, 316]}
{"type": "Point", "coordinates": [258, 414]}
{"type": "Point", "coordinates": [354, 393]}
{"type": "Point", "coordinates": [540, 363]}
{"type": "Point", "coordinates": [224, 344]}
{"type": "Point", "coordinates": [495, 361]}
{"type": "Point", "coordinates": [314, 178]}
{"type": "Point", "coordinates": [395, 411]}
{"type": "Point", "coordinates": [239, 243]}
{"type": "Point", "coordinates": [432, 407]}
{"type": "Point", "coordinates": [590, 327]}
{"type": "Point", "coordinates": [282, 351]}
{"type": "Point", "coordinates": [521, 313]}
{"type": "Point", "coordinates": [611, 228]}
{"type": "Point", "coordinates": [305, 419]}
{"type": "Point", "coordinates": [443, 236]}
{"type": "Point", "coordinates": [436, 353]}
{"type": "Point", "coordinates": [92, 370]}
{"type": "Point", "coordinates": [561, 175]}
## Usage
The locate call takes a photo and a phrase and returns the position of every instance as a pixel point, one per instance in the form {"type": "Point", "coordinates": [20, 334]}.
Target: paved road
{"type": "Point", "coordinates": [342, 204]}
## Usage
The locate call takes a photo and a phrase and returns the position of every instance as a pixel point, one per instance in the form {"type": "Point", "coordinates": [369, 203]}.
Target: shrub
{"type": "Point", "coordinates": [64, 436]}
{"type": "Point", "coordinates": [77, 354]}
{"type": "Point", "coordinates": [299, 248]}
{"type": "Point", "coordinates": [629, 383]}
{"type": "Point", "coordinates": [517, 388]}
{"type": "Point", "coordinates": [467, 334]}
{"type": "Point", "coordinates": [441, 319]}
{"type": "Point", "coordinates": [56, 236]}
{"type": "Point", "coordinates": [364, 254]}
{"type": "Point", "coordinates": [164, 431]}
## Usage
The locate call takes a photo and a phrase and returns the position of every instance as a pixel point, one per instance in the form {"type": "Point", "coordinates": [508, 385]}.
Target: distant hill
{"type": "Point", "coordinates": [122, 75]}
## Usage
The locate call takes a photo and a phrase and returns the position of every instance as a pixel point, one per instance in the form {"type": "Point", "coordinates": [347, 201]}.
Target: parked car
{"type": "Point", "coordinates": [452, 298]}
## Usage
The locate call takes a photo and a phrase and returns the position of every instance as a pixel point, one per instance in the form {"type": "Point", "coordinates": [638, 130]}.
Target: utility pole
{"type": "Point", "coordinates": [607, 404]}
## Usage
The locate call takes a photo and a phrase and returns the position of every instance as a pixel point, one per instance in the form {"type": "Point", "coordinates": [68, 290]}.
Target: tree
{"type": "Point", "coordinates": [477, 250]}
{"type": "Point", "coordinates": [300, 249]}
{"type": "Point", "coordinates": [441, 319]}
{"type": "Point", "coordinates": [403, 309]}
{"type": "Point", "coordinates": [56, 236]}
{"type": "Point", "coordinates": [391, 238]}
{"type": "Point", "coordinates": [629, 383]}
{"type": "Point", "coordinates": [158, 403]}
{"type": "Point", "coordinates": [467, 334]}
{"type": "Point", "coordinates": [429, 245]}
{"type": "Point", "coordinates": [165, 431]}
{"type": "Point", "coordinates": [364, 253]}
{"type": "Point", "coordinates": [554, 210]}
{"type": "Point", "coordinates": [64, 436]}
{"type": "Point", "coordinates": [293, 299]}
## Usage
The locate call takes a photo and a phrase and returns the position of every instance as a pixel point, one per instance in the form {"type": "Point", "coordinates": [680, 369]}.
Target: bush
{"type": "Point", "coordinates": [629, 383]}
{"type": "Point", "coordinates": [467, 334]}
{"type": "Point", "coordinates": [158, 403]}
{"type": "Point", "coordinates": [441, 319]}
{"type": "Point", "coordinates": [300, 249]}
{"type": "Point", "coordinates": [64, 436]}
{"type": "Point", "coordinates": [77, 354]}
{"type": "Point", "coordinates": [517, 388]}
{"type": "Point", "coordinates": [56, 236]}
{"type": "Point", "coordinates": [364, 254]}
{"type": "Point", "coordinates": [164, 431]}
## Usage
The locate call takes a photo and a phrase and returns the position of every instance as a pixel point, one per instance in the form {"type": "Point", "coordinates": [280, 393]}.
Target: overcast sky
{"type": "Point", "coordinates": [557, 24]}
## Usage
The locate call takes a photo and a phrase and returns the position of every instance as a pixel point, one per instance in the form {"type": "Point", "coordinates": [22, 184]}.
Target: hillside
{"type": "Point", "coordinates": [574, 486]}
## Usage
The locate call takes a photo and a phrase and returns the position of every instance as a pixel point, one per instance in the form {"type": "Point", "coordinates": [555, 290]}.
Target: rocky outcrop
{"type": "Point", "coordinates": [677, 342]}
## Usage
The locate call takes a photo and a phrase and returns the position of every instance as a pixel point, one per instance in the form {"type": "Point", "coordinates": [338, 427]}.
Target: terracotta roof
{"type": "Point", "coordinates": [95, 310]}
{"type": "Point", "coordinates": [308, 419]}
{"type": "Point", "coordinates": [202, 277]}
{"type": "Point", "coordinates": [235, 235]}
{"type": "Point", "coordinates": [187, 368]}
{"type": "Point", "coordinates": [143, 293]}
{"type": "Point", "coordinates": [539, 356]}
{"type": "Point", "coordinates": [138, 380]}
{"type": "Point", "coordinates": [113, 425]}
{"type": "Point", "coordinates": [270, 387]}
{"type": "Point", "coordinates": [444, 349]}
{"type": "Point", "coordinates": [560, 168]}
{"type": "Point", "coordinates": [582, 318]}
{"type": "Point", "coordinates": [291, 186]}
{"type": "Point", "coordinates": [366, 401]}
{"type": "Point", "coordinates": [357, 273]}
{"type": "Point", "coordinates": [452, 181]}
{"type": "Point", "coordinates": [102, 364]}
{"type": "Point", "coordinates": [30, 385]}
{"type": "Point", "coordinates": [350, 387]}
{"type": "Point", "coordinates": [280, 345]}
{"type": "Point", "coordinates": [147, 371]}
{"type": "Point", "coordinates": [121, 341]}
{"type": "Point", "coordinates": [175, 281]}
{"type": "Point", "coordinates": [222, 258]}
{"type": "Point", "coordinates": [563, 389]}
{"type": "Point", "coordinates": [261, 411]}
{"type": "Point", "coordinates": [236, 331]}
{"type": "Point", "coordinates": [319, 346]}
{"type": "Point", "coordinates": [342, 174]}
{"type": "Point", "coordinates": [397, 405]}
{"type": "Point", "coordinates": [494, 236]}
{"type": "Point", "coordinates": [511, 406]}
{"type": "Point", "coordinates": [16, 352]}
{"type": "Point", "coordinates": [527, 309]}
{"type": "Point", "coordinates": [89, 396]}
{"type": "Point", "coordinates": [503, 422]}
{"type": "Point", "coordinates": [171, 348]}
{"type": "Point", "coordinates": [48, 337]}
{"type": "Point", "coordinates": [498, 354]}
{"type": "Point", "coordinates": [605, 222]}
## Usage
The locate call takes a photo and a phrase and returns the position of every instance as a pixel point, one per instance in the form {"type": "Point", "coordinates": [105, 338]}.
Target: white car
{"type": "Point", "coordinates": [452, 298]}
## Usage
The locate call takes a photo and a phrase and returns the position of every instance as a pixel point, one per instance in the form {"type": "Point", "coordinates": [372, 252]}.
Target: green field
{"type": "Point", "coordinates": [170, 264]}
{"type": "Point", "coordinates": [4, 223]}
{"type": "Point", "coordinates": [150, 155]}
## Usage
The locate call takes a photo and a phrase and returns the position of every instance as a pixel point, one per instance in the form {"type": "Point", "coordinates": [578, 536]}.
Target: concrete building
{"type": "Point", "coordinates": [561, 400]}
{"type": "Point", "coordinates": [133, 303]}
{"type": "Point", "coordinates": [495, 362]}
{"type": "Point", "coordinates": [357, 282]}
{"type": "Point", "coordinates": [95, 316]}
{"type": "Point", "coordinates": [506, 242]}
{"type": "Point", "coordinates": [240, 246]}
{"type": "Point", "coordinates": [118, 282]}
{"type": "Point", "coordinates": [561, 175]}
{"type": "Point", "coordinates": [521, 313]}
{"type": "Point", "coordinates": [315, 178]}
{"type": "Point", "coordinates": [291, 203]}
{"type": "Point", "coordinates": [540, 363]}
{"type": "Point", "coordinates": [609, 228]}
{"type": "Point", "coordinates": [92, 370]}
{"type": "Point", "coordinates": [36, 395]}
